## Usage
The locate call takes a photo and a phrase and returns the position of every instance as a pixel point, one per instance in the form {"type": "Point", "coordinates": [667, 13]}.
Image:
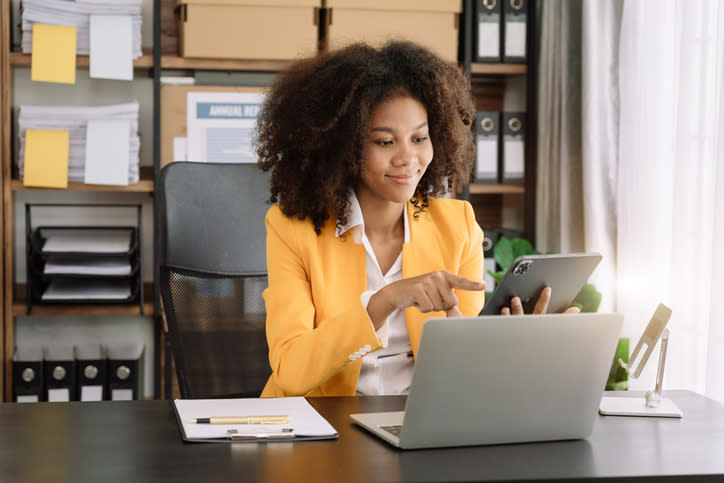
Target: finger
{"type": "Point", "coordinates": [572, 310]}
{"type": "Point", "coordinates": [541, 306]}
{"type": "Point", "coordinates": [448, 298]}
{"type": "Point", "coordinates": [454, 312]}
{"type": "Point", "coordinates": [516, 306]}
{"type": "Point", "coordinates": [456, 281]}
{"type": "Point", "coordinates": [422, 301]}
{"type": "Point", "coordinates": [505, 311]}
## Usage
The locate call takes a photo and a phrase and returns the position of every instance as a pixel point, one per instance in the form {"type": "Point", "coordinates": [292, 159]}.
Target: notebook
{"type": "Point", "coordinates": [503, 379]}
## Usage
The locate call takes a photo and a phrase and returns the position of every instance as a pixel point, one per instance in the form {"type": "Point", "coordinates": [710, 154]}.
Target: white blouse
{"type": "Point", "coordinates": [388, 370]}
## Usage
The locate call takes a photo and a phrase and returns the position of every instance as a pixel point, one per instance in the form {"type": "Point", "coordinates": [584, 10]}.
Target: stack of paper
{"type": "Point", "coordinates": [103, 146]}
{"type": "Point", "coordinates": [77, 14]}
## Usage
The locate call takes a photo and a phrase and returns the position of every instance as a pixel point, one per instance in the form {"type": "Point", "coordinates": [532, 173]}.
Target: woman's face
{"type": "Point", "coordinates": [398, 150]}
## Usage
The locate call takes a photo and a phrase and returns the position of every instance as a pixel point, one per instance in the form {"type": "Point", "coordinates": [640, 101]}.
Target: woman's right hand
{"type": "Point", "coordinates": [429, 292]}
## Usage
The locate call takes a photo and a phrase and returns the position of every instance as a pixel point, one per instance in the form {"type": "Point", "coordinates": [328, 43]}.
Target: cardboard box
{"type": "Point", "coordinates": [248, 29]}
{"type": "Point", "coordinates": [432, 23]}
{"type": "Point", "coordinates": [173, 112]}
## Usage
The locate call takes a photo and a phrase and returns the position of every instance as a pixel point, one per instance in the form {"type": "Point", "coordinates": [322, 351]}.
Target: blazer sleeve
{"type": "Point", "coordinates": [471, 303]}
{"type": "Point", "coordinates": [305, 352]}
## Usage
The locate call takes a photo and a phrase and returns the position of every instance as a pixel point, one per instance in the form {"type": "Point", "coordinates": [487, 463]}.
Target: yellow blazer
{"type": "Point", "coordinates": [315, 319]}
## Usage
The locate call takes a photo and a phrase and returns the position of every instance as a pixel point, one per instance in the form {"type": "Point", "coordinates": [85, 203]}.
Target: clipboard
{"type": "Point", "coordinates": [305, 423]}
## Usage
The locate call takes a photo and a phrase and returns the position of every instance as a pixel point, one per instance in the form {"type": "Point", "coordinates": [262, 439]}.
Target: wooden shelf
{"type": "Point", "coordinates": [143, 62]}
{"type": "Point", "coordinates": [477, 68]}
{"type": "Point", "coordinates": [253, 65]}
{"type": "Point", "coordinates": [144, 185]}
{"type": "Point", "coordinates": [20, 309]}
{"type": "Point", "coordinates": [493, 189]}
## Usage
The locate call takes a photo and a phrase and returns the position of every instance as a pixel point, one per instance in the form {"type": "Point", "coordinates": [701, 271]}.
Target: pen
{"type": "Point", "coordinates": [241, 420]}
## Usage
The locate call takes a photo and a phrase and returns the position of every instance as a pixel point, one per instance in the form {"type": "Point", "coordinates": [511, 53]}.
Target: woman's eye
{"type": "Point", "coordinates": [384, 143]}
{"type": "Point", "coordinates": [419, 140]}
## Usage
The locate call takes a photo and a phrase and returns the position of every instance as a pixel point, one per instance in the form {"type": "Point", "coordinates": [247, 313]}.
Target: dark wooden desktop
{"type": "Point", "coordinates": [139, 441]}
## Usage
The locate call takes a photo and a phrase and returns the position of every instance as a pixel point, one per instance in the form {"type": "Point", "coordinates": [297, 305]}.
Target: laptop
{"type": "Point", "coordinates": [503, 379]}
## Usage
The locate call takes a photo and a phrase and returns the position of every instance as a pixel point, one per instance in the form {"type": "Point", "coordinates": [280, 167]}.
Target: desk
{"type": "Point", "coordinates": [139, 441]}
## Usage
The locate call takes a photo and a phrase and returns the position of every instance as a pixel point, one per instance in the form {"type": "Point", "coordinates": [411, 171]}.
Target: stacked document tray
{"type": "Point", "coordinates": [83, 264]}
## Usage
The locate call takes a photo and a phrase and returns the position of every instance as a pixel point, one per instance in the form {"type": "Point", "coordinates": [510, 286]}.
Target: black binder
{"type": "Point", "coordinates": [125, 371]}
{"type": "Point", "coordinates": [514, 30]}
{"type": "Point", "coordinates": [490, 238]}
{"type": "Point", "coordinates": [488, 31]}
{"type": "Point", "coordinates": [513, 164]}
{"type": "Point", "coordinates": [91, 372]}
{"type": "Point", "coordinates": [487, 143]}
{"type": "Point", "coordinates": [59, 372]}
{"type": "Point", "coordinates": [28, 374]}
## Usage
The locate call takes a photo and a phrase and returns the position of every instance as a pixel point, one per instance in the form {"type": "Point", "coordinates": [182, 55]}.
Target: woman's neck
{"type": "Point", "coordinates": [383, 220]}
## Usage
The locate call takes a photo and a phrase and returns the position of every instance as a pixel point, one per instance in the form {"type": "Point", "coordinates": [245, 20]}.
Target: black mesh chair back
{"type": "Point", "coordinates": [213, 272]}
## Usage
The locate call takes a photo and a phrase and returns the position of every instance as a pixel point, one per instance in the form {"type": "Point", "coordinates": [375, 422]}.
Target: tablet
{"type": "Point", "coordinates": [528, 275]}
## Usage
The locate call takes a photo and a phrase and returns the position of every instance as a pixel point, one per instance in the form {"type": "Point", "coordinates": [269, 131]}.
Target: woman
{"type": "Point", "coordinates": [360, 251]}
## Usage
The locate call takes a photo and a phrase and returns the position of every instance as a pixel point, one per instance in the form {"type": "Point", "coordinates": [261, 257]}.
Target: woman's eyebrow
{"type": "Point", "coordinates": [388, 129]}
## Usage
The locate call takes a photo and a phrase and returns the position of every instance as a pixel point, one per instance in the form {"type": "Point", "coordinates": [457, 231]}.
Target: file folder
{"type": "Point", "coordinates": [28, 374]}
{"type": "Point", "coordinates": [59, 369]}
{"type": "Point", "coordinates": [124, 371]}
{"type": "Point", "coordinates": [487, 141]}
{"type": "Point", "coordinates": [513, 165]}
{"type": "Point", "coordinates": [488, 31]}
{"type": "Point", "coordinates": [91, 372]}
{"type": "Point", "coordinates": [514, 31]}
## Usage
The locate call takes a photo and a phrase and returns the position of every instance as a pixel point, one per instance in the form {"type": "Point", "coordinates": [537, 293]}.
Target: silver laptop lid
{"type": "Point", "coordinates": [496, 379]}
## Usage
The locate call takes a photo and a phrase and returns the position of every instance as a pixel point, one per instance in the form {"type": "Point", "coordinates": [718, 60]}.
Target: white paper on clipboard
{"type": "Point", "coordinates": [220, 126]}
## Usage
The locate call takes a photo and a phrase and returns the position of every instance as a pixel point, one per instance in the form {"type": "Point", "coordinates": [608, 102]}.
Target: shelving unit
{"type": "Point", "coordinates": [13, 294]}
{"type": "Point", "coordinates": [487, 199]}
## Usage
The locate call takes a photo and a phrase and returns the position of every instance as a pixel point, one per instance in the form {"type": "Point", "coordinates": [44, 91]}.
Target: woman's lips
{"type": "Point", "coordinates": [401, 178]}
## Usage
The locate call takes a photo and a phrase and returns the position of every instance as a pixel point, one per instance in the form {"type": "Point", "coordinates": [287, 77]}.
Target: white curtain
{"type": "Point", "coordinates": [559, 183]}
{"type": "Point", "coordinates": [670, 183]}
{"type": "Point", "coordinates": [652, 154]}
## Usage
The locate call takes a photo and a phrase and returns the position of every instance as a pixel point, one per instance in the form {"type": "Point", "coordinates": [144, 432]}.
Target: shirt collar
{"type": "Point", "coordinates": [355, 219]}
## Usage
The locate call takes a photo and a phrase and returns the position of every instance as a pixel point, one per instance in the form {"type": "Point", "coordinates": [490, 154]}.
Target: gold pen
{"type": "Point", "coordinates": [241, 420]}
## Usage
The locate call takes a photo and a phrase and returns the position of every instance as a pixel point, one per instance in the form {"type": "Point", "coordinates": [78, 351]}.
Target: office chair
{"type": "Point", "coordinates": [213, 271]}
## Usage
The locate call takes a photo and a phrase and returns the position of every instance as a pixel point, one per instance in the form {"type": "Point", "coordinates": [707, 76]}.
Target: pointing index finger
{"type": "Point", "coordinates": [463, 283]}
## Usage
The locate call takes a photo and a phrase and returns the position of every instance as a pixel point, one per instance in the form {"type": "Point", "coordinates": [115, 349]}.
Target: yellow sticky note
{"type": "Point", "coordinates": [46, 158]}
{"type": "Point", "coordinates": [53, 57]}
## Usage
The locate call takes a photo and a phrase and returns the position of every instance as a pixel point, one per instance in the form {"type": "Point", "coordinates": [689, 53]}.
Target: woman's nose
{"type": "Point", "coordinates": [406, 155]}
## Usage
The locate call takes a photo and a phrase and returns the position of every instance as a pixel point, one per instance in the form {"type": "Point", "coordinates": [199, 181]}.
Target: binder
{"type": "Point", "coordinates": [59, 372]}
{"type": "Point", "coordinates": [490, 238]}
{"type": "Point", "coordinates": [125, 379]}
{"type": "Point", "coordinates": [28, 374]}
{"type": "Point", "coordinates": [513, 164]}
{"type": "Point", "coordinates": [91, 372]}
{"type": "Point", "coordinates": [487, 141]}
{"type": "Point", "coordinates": [488, 30]}
{"type": "Point", "coordinates": [514, 31]}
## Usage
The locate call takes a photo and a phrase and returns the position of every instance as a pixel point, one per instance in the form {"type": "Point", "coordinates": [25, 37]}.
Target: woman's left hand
{"type": "Point", "coordinates": [541, 306]}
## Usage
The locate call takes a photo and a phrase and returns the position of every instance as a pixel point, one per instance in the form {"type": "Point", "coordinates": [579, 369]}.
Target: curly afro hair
{"type": "Point", "coordinates": [313, 128]}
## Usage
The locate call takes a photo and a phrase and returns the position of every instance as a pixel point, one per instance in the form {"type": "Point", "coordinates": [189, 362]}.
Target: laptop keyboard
{"type": "Point", "coordinates": [396, 429]}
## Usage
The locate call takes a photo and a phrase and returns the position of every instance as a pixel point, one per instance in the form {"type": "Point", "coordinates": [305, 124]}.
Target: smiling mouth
{"type": "Point", "coordinates": [401, 178]}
